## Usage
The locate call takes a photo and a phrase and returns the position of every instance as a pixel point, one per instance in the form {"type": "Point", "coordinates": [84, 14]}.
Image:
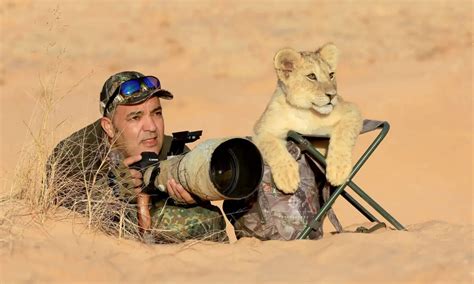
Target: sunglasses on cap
{"type": "Point", "coordinates": [133, 86]}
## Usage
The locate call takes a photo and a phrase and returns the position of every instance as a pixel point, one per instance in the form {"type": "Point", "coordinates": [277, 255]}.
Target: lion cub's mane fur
{"type": "Point", "coordinates": [306, 101]}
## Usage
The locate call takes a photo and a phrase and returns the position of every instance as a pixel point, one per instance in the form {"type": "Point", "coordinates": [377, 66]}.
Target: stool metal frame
{"type": "Point", "coordinates": [306, 146]}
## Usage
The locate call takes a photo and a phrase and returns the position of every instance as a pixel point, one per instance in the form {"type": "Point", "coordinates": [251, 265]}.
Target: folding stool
{"type": "Point", "coordinates": [305, 146]}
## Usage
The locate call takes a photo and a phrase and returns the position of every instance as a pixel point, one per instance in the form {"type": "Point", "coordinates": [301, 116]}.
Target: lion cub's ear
{"type": "Point", "coordinates": [285, 61]}
{"type": "Point", "coordinates": [330, 54]}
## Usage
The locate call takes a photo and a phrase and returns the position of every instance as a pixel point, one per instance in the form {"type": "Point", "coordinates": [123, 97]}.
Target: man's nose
{"type": "Point", "coordinates": [149, 124]}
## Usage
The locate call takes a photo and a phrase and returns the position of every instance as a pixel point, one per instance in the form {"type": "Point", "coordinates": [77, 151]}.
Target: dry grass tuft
{"type": "Point", "coordinates": [28, 182]}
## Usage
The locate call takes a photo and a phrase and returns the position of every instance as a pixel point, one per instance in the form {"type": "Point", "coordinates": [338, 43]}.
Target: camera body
{"type": "Point", "coordinates": [149, 165]}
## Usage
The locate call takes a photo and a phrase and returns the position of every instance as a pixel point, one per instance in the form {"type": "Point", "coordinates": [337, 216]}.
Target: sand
{"type": "Point", "coordinates": [407, 62]}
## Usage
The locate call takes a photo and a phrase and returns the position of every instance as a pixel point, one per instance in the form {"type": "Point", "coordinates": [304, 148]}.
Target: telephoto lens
{"type": "Point", "coordinates": [216, 169]}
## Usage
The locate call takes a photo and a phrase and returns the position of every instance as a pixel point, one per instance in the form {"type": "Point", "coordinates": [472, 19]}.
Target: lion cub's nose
{"type": "Point", "coordinates": [331, 93]}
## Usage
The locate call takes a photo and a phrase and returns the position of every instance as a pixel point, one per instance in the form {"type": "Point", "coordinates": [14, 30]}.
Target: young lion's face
{"type": "Point", "coordinates": [309, 78]}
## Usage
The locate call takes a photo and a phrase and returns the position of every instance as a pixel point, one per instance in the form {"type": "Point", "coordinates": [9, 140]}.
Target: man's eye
{"type": "Point", "coordinates": [331, 75]}
{"type": "Point", "coordinates": [136, 117]}
{"type": "Point", "coordinates": [312, 77]}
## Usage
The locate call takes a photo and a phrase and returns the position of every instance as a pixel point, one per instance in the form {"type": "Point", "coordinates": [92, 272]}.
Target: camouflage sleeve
{"type": "Point", "coordinates": [79, 181]}
{"type": "Point", "coordinates": [81, 177]}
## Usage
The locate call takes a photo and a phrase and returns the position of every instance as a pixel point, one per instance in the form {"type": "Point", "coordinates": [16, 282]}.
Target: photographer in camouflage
{"type": "Point", "coordinates": [90, 170]}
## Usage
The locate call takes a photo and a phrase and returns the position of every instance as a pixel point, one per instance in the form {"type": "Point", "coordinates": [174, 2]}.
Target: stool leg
{"type": "Point", "coordinates": [319, 216]}
{"type": "Point", "coordinates": [359, 207]}
{"type": "Point", "coordinates": [376, 206]}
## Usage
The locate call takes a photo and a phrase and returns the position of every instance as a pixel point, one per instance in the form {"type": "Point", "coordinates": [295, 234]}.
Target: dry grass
{"type": "Point", "coordinates": [29, 196]}
{"type": "Point", "coordinates": [46, 178]}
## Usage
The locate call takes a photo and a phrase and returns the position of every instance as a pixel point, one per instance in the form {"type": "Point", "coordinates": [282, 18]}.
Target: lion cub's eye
{"type": "Point", "coordinates": [312, 77]}
{"type": "Point", "coordinates": [331, 75]}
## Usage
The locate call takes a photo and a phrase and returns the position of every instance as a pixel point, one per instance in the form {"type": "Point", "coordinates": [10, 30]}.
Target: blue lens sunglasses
{"type": "Point", "coordinates": [133, 86]}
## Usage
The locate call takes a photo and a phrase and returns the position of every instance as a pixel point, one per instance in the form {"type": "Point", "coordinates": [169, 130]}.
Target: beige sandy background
{"type": "Point", "coordinates": [407, 62]}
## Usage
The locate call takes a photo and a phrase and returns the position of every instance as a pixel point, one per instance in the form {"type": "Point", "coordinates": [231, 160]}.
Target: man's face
{"type": "Point", "coordinates": [138, 128]}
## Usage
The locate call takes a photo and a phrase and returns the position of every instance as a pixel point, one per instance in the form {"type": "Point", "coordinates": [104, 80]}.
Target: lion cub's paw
{"type": "Point", "coordinates": [337, 171]}
{"type": "Point", "coordinates": [286, 176]}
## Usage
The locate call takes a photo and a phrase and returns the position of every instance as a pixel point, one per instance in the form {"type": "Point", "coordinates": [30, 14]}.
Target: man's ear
{"type": "Point", "coordinates": [108, 127]}
{"type": "Point", "coordinates": [285, 61]}
{"type": "Point", "coordinates": [330, 54]}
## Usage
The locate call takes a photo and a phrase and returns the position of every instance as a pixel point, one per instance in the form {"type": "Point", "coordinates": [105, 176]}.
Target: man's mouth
{"type": "Point", "coordinates": [150, 142]}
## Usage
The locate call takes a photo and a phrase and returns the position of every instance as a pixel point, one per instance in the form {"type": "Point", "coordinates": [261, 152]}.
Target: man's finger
{"type": "Point", "coordinates": [137, 182]}
{"type": "Point", "coordinates": [171, 190]}
{"type": "Point", "coordinates": [137, 189]}
{"type": "Point", "coordinates": [137, 178]}
{"type": "Point", "coordinates": [178, 193]}
{"type": "Point", "coordinates": [136, 174]}
{"type": "Point", "coordinates": [184, 194]}
{"type": "Point", "coordinates": [132, 159]}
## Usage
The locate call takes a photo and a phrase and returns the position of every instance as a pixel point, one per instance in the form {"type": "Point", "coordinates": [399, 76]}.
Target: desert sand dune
{"type": "Point", "coordinates": [407, 62]}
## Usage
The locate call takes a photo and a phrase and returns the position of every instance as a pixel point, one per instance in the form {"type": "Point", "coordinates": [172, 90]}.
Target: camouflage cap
{"type": "Point", "coordinates": [114, 82]}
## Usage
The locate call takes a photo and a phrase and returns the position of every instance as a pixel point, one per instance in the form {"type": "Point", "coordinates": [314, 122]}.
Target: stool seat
{"type": "Point", "coordinates": [367, 126]}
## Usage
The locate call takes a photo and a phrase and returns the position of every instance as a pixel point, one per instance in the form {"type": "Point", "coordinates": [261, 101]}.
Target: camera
{"type": "Point", "coordinates": [216, 169]}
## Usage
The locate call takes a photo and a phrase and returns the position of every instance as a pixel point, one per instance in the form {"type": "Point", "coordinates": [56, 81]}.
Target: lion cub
{"type": "Point", "coordinates": [306, 101]}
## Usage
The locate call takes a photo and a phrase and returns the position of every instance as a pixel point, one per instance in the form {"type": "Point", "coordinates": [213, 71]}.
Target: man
{"type": "Point", "coordinates": [90, 170]}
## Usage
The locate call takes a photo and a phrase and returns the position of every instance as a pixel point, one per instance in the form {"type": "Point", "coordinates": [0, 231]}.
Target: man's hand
{"type": "Point", "coordinates": [137, 178]}
{"type": "Point", "coordinates": [143, 199]}
{"type": "Point", "coordinates": [178, 193]}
